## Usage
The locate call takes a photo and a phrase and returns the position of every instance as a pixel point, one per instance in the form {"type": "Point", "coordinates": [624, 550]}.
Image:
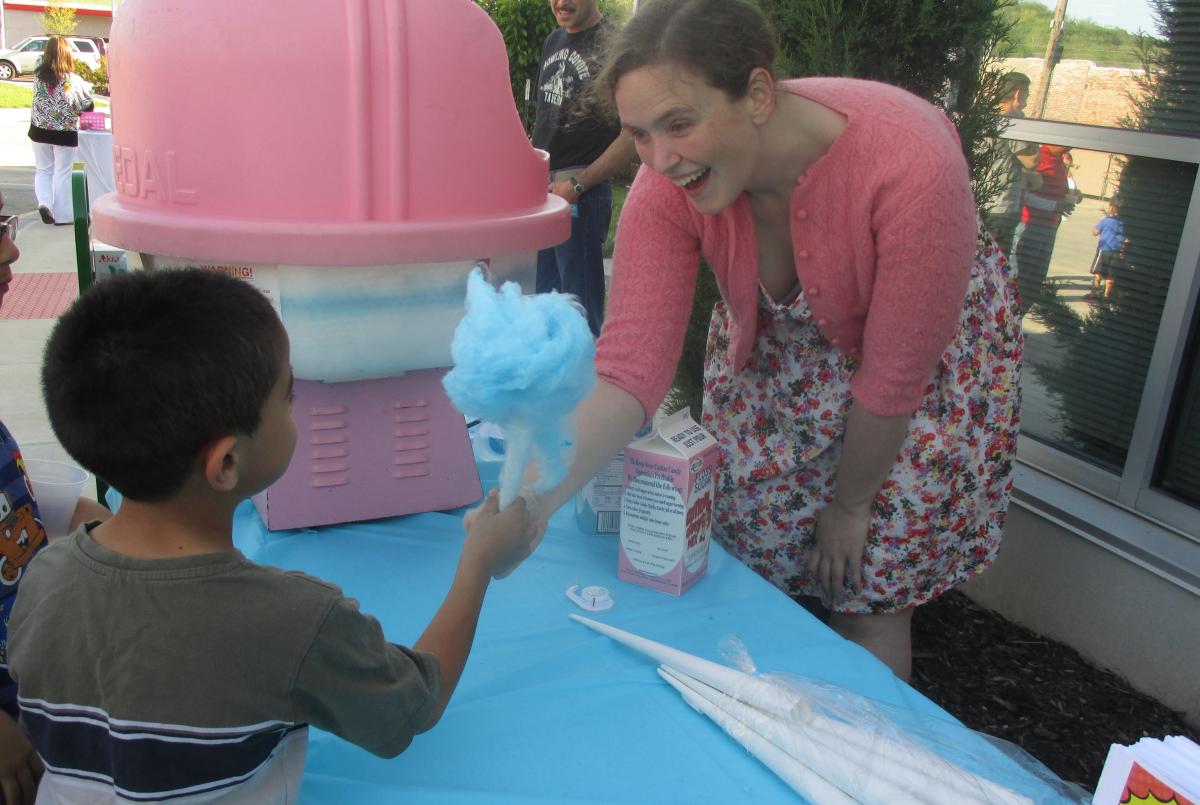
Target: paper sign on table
{"type": "Point", "coordinates": [1151, 771]}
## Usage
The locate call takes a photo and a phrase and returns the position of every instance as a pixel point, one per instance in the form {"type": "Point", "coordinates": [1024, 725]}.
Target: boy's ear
{"type": "Point", "coordinates": [222, 463]}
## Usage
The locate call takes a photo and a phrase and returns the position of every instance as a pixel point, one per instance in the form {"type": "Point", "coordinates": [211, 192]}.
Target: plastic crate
{"type": "Point", "coordinates": [93, 121]}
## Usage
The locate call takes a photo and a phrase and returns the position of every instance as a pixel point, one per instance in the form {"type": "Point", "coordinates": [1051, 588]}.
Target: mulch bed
{"type": "Point", "coordinates": [1007, 681]}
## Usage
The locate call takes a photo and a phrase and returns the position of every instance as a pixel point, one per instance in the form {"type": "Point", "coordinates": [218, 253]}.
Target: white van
{"type": "Point", "coordinates": [24, 56]}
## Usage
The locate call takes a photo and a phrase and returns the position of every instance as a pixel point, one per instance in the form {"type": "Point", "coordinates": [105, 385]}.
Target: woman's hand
{"type": "Point", "coordinates": [837, 556]}
{"type": "Point", "coordinates": [20, 766]}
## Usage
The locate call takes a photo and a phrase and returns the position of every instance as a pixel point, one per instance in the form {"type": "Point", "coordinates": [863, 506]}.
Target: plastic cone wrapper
{"type": "Point", "coordinates": [524, 363]}
{"type": "Point", "coordinates": [735, 683]}
{"type": "Point", "coordinates": [800, 777]}
{"type": "Point", "coordinates": [856, 766]}
{"type": "Point", "coordinates": [864, 749]}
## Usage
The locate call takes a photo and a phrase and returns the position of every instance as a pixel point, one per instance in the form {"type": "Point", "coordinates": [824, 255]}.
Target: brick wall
{"type": "Point", "coordinates": [1080, 91]}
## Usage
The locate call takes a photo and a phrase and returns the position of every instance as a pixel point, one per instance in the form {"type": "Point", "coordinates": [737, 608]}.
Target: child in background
{"type": "Point", "coordinates": [175, 387]}
{"type": "Point", "coordinates": [1111, 231]}
{"type": "Point", "coordinates": [21, 536]}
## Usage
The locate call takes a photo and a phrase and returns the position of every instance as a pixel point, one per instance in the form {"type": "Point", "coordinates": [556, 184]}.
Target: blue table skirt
{"type": "Point", "coordinates": [549, 711]}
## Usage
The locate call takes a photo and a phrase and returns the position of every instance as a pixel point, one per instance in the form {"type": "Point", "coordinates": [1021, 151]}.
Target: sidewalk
{"type": "Point", "coordinates": [15, 150]}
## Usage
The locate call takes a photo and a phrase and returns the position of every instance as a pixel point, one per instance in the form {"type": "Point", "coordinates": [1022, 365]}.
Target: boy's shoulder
{"type": "Point", "coordinates": [80, 556]}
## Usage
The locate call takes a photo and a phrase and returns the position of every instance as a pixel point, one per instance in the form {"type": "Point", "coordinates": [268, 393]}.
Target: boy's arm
{"type": "Point", "coordinates": [496, 543]}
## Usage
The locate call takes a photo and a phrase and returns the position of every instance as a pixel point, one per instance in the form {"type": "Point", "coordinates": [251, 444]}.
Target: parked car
{"type": "Point", "coordinates": [24, 56]}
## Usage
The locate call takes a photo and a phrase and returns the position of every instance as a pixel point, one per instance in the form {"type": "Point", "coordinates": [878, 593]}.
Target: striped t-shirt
{"type": "Point", "coordinates": [194, 680]}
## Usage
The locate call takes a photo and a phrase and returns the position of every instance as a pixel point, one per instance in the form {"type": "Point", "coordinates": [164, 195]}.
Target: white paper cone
{"type": "Point", "coordinates": [803, 780]}
{"type": "Point", "coordinates": [912, 766]}
{"type": "Point", "coordinates": [739, 685]}
{"type": "Point", "coordinates": [518, 448]}
{"type": "Point", "coordinates": [867, 779]}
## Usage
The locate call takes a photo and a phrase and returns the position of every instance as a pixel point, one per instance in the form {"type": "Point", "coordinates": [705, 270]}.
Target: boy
{"type": "Point", "coordinates": [1111, 231]}
{"type": "Point", "coordinates": [155, 661]}
{"type": "Point", "coordinates": [21, 537]}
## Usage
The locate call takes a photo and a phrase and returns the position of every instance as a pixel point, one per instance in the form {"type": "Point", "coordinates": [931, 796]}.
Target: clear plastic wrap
{"type": "Point", "coordinates": [832, 745]}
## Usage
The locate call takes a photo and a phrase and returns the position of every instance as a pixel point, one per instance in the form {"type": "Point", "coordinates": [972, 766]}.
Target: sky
{"type": "Point", "coordinates": [1128, 14]}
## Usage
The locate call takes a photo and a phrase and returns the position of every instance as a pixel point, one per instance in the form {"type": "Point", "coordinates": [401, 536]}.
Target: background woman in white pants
{"type": "Point", "coordinates": [59, 95]}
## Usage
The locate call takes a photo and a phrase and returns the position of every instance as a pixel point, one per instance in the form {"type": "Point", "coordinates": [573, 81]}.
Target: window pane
{"type": "Point", "coordinates": [1092, 313]}
{"type": "Point", "coordinates": [1096, 73]}
{"type": "Point", "coordinates": [1180, 471]}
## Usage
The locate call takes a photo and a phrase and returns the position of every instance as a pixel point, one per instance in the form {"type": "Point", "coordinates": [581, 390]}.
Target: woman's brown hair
{"type": "Point", "coordinates": [722, 41]}
{"type": "Point", "coordinates": [56, 63]}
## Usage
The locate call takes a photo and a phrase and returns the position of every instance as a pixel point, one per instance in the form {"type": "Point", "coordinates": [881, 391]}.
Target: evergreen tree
{"type": "Point", "coordinates": [1111, 347]}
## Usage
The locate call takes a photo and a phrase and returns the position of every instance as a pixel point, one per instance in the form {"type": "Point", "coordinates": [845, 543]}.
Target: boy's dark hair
{"type": "Point", "coordinates": [147, 368]}
{"type": "Point", "coordinates": [722, 41]}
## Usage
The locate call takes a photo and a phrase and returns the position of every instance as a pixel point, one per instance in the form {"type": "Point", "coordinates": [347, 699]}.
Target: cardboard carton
{"type": "Point", "coordinates": [107, 260]}
{"type": "Point", "coordinates": [667, 505]}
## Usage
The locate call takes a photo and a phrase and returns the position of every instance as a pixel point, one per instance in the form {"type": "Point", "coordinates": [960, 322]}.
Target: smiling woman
{"type": "Point", "coordinates": [864, 316]}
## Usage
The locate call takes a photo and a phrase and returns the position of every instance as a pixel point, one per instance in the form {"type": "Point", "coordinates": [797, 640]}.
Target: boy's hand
{"type": "Point", "coordinates": [498, 541]}
{"type": "Point", "coordinates": [20, 766]}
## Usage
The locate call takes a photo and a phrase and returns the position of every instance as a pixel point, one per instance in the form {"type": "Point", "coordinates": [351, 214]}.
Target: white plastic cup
{"type": "Point", "coordinates": [57, 486]}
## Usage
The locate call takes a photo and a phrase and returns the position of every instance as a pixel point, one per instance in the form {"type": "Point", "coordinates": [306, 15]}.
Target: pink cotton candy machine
{"type": "Point", "coordinates": [358, 189]}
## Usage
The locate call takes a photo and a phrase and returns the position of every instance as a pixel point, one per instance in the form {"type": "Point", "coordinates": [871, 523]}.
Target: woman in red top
{"type": "Point", "coordinates": [1040, 218]}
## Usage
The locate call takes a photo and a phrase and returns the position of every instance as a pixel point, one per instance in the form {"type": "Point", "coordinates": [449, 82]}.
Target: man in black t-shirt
{"type": "Point", "coordinates": [585, 151]}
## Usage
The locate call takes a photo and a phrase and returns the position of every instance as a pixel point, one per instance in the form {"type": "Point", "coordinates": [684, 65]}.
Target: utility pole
{"type": "Point", "coordinates": [1053, 50]}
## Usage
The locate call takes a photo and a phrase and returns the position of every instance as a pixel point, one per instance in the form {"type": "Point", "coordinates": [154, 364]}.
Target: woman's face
{"type": "Point", "coordinates": [690, 132]}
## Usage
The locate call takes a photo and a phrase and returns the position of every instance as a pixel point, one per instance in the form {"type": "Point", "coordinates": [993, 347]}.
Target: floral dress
{"type": "Point", "coordinates": [937, 520]}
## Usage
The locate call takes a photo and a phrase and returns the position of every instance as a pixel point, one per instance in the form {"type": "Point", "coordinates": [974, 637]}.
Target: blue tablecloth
{"type": "Point", "coordinates": [549, 711]}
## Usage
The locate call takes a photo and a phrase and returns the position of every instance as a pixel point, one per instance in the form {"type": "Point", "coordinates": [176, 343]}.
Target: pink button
{"type": "Point", "coordinates": [835, 340]}
{"type": "Point", "coordinates": [801, 214]}
{"type": "Point", "coordinates": [822, 322]}
{"type": "Point", "coordinates": [803, 255]}
{"type": "Point", "coordinates": [813, 291]}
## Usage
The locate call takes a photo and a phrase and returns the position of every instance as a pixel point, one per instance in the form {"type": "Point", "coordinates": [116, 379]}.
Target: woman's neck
{"type": "Point", "coordinates": [799, 132]}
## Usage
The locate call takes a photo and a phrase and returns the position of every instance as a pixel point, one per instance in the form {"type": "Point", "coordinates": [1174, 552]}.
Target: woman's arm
{"type": "Point", "coordinates": [604, 423]}
{"type": "Point", "coordinates": [869, 451]}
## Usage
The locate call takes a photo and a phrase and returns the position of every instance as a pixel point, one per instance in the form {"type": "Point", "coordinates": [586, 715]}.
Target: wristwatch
{"type": "Point", "coordinates": [577, 186]}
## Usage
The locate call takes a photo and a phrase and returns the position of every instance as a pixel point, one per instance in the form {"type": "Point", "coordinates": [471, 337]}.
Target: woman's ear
{"type": "Point", "coordinates": [760, 93]}
{"type": "Point", "coordinates": [222, 463]}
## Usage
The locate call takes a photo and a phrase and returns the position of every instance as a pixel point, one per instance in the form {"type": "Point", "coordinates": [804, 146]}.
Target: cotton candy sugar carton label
{"type": "Point", "coordinates": [107, 261]}
{"type": "Point", "coordinates": [667, 505]}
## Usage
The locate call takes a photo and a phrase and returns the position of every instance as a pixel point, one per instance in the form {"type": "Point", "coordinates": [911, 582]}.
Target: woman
{"type": "Point", "coordinates": [59, 95]}
{"type": "Point", "coordinates": [861, 373]}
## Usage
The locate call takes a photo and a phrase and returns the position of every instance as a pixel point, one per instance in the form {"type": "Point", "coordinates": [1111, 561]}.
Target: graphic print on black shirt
{"type": "Point", "coordinates": [568, 67]}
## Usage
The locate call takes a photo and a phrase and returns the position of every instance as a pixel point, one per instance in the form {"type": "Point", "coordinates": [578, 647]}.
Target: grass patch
{"type": "Point", "coordinates": [619, 193]}
{"type": "Point", "coordinates": [13, 96]}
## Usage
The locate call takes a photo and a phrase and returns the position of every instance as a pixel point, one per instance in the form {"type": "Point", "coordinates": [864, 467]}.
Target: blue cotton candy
{"type": "Point", "coordinates": [523, 362]}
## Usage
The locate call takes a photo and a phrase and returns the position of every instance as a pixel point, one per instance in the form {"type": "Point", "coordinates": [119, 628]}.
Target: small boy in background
{"type": "Point", "coordinates": [1111, 231]}
{"type": "Point", "coordinates": [155, 661]}
{"type": "Point", "coordinates": [21, 537]}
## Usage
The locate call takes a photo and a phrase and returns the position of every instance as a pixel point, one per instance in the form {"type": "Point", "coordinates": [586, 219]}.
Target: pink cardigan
{"type": "Point", "coordinates": [884, 234]}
